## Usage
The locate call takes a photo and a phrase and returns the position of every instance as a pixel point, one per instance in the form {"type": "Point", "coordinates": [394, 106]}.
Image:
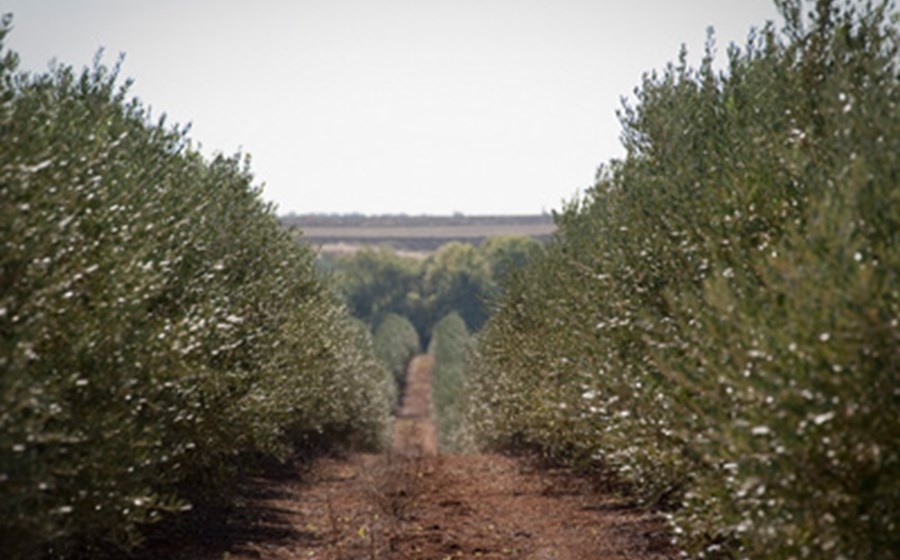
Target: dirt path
{"type": "Point", "coordinates": [413, 503]}
{"type": "Point", "coordinates": [414, 432]}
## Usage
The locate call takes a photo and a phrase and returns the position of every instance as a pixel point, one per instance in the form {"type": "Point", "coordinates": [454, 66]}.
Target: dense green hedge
{"type": "Point", "coordinates": [450, 346]}
{"type": "Point", "coordinates": [457, 277]}
{"type": "Point", "coordinates": [155, 321]}
{"type": "Point", "coordinates": [396, 343]}
{"type": "Point", "coordinates": [716, 323]}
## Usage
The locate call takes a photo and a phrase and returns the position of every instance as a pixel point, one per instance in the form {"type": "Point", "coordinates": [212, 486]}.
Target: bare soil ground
{"type": "Point", "coordinates": [413, 503]}
{"type": "Point", "coordinates": [414, 432]}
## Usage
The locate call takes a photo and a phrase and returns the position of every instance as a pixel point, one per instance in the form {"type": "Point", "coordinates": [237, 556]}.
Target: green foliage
{"type": "Point", "coordinates": [505, 255]}
{"type": "Point", "coordinates": [156, 323]}
{"type": "Point", "coordinates": [450, 346]}
{"type": "Point", "coordinates": [716, 322]}
{"type": "Point", "coordinates": [457, 277]}
{"type": "Point", "coordinates": [396, 343]}
{"type": "Point", "coordinates": [378, 281]}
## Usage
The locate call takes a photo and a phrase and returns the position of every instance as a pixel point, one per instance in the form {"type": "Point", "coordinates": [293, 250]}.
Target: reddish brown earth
{"type": "Point", "coordinates": [413, 503]}
{"type": "Point", "coordinates": [414, 433]}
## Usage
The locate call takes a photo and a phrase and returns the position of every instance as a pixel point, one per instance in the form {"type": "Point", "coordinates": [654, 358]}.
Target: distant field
{"type": "Point", "coordinates": [402, 220]}
{"type": "Point", "coordinates": [341, 234]}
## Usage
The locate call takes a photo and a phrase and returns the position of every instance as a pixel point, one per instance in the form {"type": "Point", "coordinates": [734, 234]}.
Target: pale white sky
{"type": "Point", "coordinates": [390, 106]}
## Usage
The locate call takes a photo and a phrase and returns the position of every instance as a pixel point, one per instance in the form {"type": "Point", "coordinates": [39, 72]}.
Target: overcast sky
{"type": "Point", "coordinates": [391, 106]}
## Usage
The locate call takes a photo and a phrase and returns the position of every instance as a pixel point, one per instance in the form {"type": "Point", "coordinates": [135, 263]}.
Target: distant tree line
{"type": "Point", "coordinates": [460, 277]}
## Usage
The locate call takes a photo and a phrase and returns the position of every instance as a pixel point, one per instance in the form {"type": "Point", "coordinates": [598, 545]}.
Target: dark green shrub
{"type": "Point", "coordinates": [716, 322]}
{"type": "Point", "coordinates": [455, 278]}
{"type": "Point", "coordinates": [378, 281]}
{"type": "Point", "coordinates": [396, 343]}
{"type": "Point", "coordinates": [156, 323]}
{"type": "Point", "coordinates": [450, 346]}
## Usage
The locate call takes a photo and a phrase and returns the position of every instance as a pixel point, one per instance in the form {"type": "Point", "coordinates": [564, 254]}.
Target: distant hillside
{"type": "Point", "coordinates": [343, 233]}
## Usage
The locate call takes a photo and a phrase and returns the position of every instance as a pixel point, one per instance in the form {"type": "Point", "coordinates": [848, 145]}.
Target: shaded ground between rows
{"type": "Point", "coordinates": [413, 503]}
